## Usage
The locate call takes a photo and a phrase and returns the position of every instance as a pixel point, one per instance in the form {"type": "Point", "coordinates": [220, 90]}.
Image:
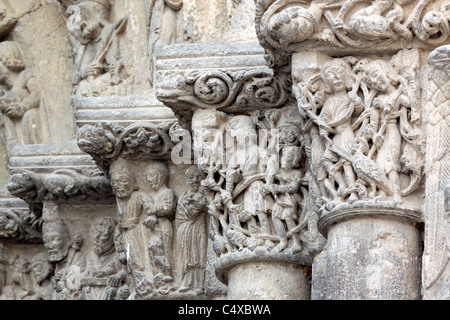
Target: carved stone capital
{"type": "Point", "coordinates": [234, 80]}
{"type": "Point", "coordinates": [348, 27]}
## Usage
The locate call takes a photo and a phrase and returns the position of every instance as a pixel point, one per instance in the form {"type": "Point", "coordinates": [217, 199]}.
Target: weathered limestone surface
{"type": "Point", "coordinates": [224, 149]}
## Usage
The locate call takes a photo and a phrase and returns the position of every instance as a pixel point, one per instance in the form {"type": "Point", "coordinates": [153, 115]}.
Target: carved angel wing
{"type": "Point", "coordinates": [436, 254]}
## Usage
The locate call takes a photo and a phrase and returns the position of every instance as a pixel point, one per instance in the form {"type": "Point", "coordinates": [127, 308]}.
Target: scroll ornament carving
{"type": "Point", "coordinates": [239, 91]}
{"type": "Point", "coordinates": [289, 25]}
{"type": "Point", "coordinates": [257, 196]}
{"type": "Point", "coordinates": [362, 122]}
{"type": "Point", "coordinates": [20, 96]}
{"type": "Point", "coordinates": [95, 43]}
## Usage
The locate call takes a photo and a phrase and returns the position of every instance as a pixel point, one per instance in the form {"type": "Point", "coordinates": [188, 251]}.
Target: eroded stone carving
{"type": "Point", "coordinates": [436, 255]}
{"type": "Point", "coordinates": [104, 277]}
{"type": "Point", "coordinates": [98, 63]}
{"type": "Point", "coordinates": [290, 25]}
{"type": "Point", "coordinates": [256, 192]}
{"type": "Point", "coordinates": [64, 252]}
{"type": "Point", "coordinates": [61, 184]}
{"type": "Point", "coordinates": [20, 96]}
{"type": "Point", "coordinates": [141, 141]}
{"type": "Point", "coordinates": [364, 128]}
{"type": "Point", "coordinates": [191, 232]}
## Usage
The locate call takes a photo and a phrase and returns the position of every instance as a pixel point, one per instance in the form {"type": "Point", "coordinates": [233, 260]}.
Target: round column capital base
{"type": "Point", "coordinates": [367, 209]}
{"type": "Point", "coordinates": [230, 260]}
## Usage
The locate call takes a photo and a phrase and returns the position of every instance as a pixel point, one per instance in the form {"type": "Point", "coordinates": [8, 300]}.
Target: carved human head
{"type": "Point", "coordinates": [292, 25]}
{"type": "Point", "coordinates": [90, 16]}
{"type": "Point", "coordinates": [104, 231]}
{"type": "Point", "coordinates": [193, 177]}
{"type": "Point", "coordinates": [291, 156]}
{"type": "Point", "coordinates": [40, 267]}
{"type": "Point", "coordinates": [10, 57]}
{"type": "Point", "coordinates": [378, 75]}
{"type": "Point", "coordinates": [123, 181]}
{"type": "Point", "coordinates": [157, 175]}
{"type": "Point", "coordinates": [56, 239]}
{"type": "Point", "coordinates": [336, 75]}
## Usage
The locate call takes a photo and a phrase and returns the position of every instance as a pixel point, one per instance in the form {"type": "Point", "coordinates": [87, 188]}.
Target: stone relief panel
{"type": "Point", "coordinates": [256, 189]}
{"type": "Point", "coordinates": [340, 26]}
{"type": "Point", "coordinates": [20, 98]}
{"type": "Point", "coordinates": [363, 123]}
{"type": "Point", "coordinates": [164, 238]}
{"type": "Point", "coordinates": [98, 65]}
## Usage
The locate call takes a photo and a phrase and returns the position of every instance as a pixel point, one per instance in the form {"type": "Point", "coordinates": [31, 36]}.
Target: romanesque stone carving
{"type": "Point", "coordinates": [364, 128]}
{"type": "Point", "coordinates": [104, 277]}
{"type": "Point", "coordinates": [290, 25]}
{"type": "Point", "coordinates": [438, 170]}
{"type": "Point", "coordinates": [191, 232]}
{"type": "Point", "coordinates": [145, 211]}
{"type": "Point", "coordinates": [240, 91]}
{"type": "Point", "coordinates": [141, 141]}
{"type": "Point", "coordinates": [20, 97]}
{"type": "Point", "coordinates": [97, 59]}
{"type": "Point", "coordinates": [256, 193]}
{"type": "Point", "coordinates": [20, 225]}
{"type": "Point", "coordinates": [61, 184]}
{"type": "Point", "coordinates": [41, 271]}
{"type": "Point", "coordinates": [64, 252]}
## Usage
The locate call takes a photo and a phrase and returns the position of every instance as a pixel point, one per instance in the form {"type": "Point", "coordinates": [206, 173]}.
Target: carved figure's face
{"type": "Point", "coordinates": [376, 79]}
{"type": "Point", "coordinates": [194, 179]}
{"type": "Point", "coordinates": [87, 20]}
{"type": "Point", "coordinates": [56, 245]}
{"type": "Point", "coordinates": [103, 238]}
{"type": "Point", "coordinates": [154, 179]}
{"type": "Point", "coordinates": [122, 185]}
{"type": "Point", "coordinates": [40, 270]}
{"type": "Point", "coordinates": [289, 158]}
{"type": "Point", "coordinates": [335, 77]}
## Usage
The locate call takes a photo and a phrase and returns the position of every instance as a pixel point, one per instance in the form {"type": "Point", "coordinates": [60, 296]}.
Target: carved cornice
{"type": "Point", "coordinates": [228, 77]}
{"type": "Point", "coordinates": [348, 26]}
{"type": "Point", "coordinates": [55, 173]}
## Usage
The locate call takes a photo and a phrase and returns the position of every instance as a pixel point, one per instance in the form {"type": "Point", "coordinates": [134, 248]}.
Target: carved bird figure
{"type": "Point", "coordinates": [368, 171]}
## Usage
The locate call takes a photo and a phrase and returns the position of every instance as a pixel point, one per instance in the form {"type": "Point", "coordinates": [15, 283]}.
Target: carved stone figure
{"type": "Point", "coordinates": [20, 96]}
{"type": "Point", "coordinates": [368, 125]}
{"type": "Point", "coordinates": [104, 273]}
{"type": "Point", "coordinates": [69, 261]}
{"type": "Point", "coordinates": [191, 235]}
{"type": "Point", "coordinates": [159, 205]}
{"type": "Point", "coordinates": [97, 61]}
{"type": "Point", "coordinates": [41, 270]}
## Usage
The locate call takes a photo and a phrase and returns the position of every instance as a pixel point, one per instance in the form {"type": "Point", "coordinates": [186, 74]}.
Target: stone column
{"type": "Point", "coordinates": [357, 87]}
{"type": "Point", "coordinates": [371, 254]}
